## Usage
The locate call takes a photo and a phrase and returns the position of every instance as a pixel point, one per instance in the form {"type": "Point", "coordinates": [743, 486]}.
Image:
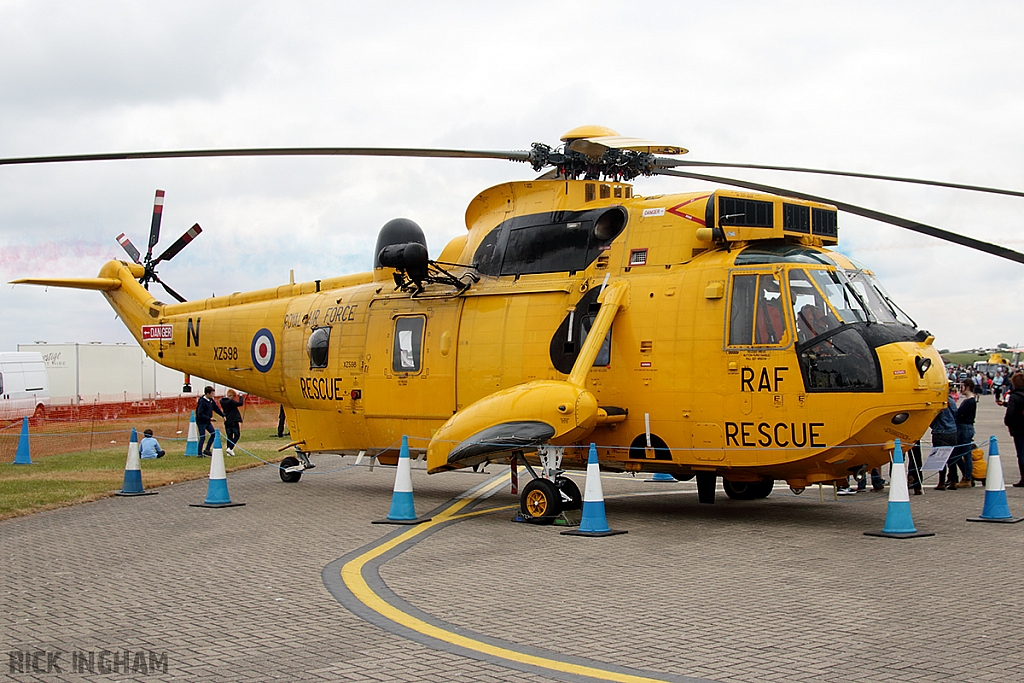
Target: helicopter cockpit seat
{"type": "Point", "coordinates": [771, 325]}
{"type": "Point", "coordinates": [811, 322]}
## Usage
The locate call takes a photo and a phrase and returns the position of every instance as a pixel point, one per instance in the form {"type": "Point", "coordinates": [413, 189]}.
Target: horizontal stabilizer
{"type": "Point", "coordinates": [100, 284]}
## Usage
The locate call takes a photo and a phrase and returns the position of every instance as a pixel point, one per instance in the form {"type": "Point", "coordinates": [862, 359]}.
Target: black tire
{"type": "Point", "coordinates": [748, 490]}
{"type": "Point", "coordinates": [569, 488]}
{"type": "Point", "coordinates": [541, 500]}
{"type": "Point", "coordinates": [289, 477]}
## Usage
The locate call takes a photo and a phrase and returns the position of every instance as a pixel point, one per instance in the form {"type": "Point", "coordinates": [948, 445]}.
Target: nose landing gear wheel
{"type": "Point", "coordinates": [289, 477]}
{"type": "Point", "coordinates": [541, 499]}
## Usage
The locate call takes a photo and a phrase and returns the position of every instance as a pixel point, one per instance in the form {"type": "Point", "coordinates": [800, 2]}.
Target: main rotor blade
{"type": "Point", "coordinates": [673, 163]}
{"type": "Point", "coordinates": [154, 227]}
{"type": "Point", "coordinates": [170, 291]}
{"type": "Point", "coordinates": [279, 152]}
{"type": "Point", "coordinates": [127, 245]}
{"type": "Point", "coordinates": [179, 244]}
{"type": "Point", "coordinates": [922, 228]}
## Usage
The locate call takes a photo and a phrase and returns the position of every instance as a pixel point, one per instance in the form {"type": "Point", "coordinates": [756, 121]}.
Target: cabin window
{"type": "Point", "coordinates": [756, 312]}
{"type": "Point", "coordinates": [318, 346]}
{"type": "Point", "coordinates": [408, 344]}
{"type": "Point", "coordinates": [548, 248]}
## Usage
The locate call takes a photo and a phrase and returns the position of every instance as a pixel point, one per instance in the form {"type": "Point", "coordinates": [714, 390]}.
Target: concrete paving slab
{"type": "Point", "coordinates": [783, 589]}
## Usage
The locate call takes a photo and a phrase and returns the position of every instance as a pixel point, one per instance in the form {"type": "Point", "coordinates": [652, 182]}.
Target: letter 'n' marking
{"type": "Point", "coordinates": [192, 333]}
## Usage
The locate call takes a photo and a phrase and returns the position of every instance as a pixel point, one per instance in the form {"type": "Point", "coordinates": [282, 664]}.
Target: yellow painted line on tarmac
{"type": "Point", "coordinates": [352, 575]}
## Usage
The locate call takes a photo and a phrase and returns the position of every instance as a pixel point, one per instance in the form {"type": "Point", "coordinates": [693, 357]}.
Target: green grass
{"type": "Point", "coordinates": [962, 358]}
{"type": "Point", "coordinates": [68, 478]}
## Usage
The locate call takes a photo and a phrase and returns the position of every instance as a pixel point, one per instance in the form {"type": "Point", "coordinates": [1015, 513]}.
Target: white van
{"type": "Point", "coordinates": [23, 385]}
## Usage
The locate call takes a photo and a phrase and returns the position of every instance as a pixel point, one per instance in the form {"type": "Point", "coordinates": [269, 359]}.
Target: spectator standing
{"type": "Point", "coordinates": [232, 418]}
{"type": "Point", "coordinates": [1014, 420]}
{"type": "Point", "coordinates": [205, 408]}
{"type": "Point", "coordinates": [965, 414]}
{"type": "Point", "coordinates": [914, 468]}
{"type": "Point", "coordinates": [944, 434]}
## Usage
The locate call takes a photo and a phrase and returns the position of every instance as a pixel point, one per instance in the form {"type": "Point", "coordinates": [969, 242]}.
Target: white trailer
{"type": "Point", "coordinates": [107, 373]}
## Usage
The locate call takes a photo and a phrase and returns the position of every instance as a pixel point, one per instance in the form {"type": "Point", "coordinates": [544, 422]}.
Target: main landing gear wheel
{"type": "Point", "coordinates": [289, 477]}
{"type": "Point", "coordinates": [541, 499]}
{"type": "Point", "coordinates": [570, 489]}
{"type": "Point", "coordinates": [748, 490]}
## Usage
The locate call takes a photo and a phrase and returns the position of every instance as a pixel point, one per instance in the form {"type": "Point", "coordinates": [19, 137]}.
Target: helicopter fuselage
{"type": "Point", "coordinates": [730, 341]}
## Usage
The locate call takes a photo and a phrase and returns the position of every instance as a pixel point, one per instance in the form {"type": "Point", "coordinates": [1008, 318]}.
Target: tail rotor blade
{"type": "Point", "coordinates": [154, 228]}
{"type": "Point", "coordinates": [179, 244]}
{"type": "Point", "coordinates": [127, 245]}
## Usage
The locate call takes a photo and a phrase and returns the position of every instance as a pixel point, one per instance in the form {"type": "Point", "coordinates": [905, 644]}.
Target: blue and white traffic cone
{"type": "Point", "coordinates": [403, 509]}
{"type": "Point", "coordinates": [192, 442]}
{"type": "Point", "coordinates": [217, 491]}
{"type": "Point", "coordinates": [593, 521]}
{"type": "Point", "coordinates": [24, 454]}
{"type": "Point", "coordinates": [132, 485]}
{"type": "Point", "coordinates": [662, 476]}
{"type": "Point", "coordinates": [898, 522]}
{"type": "Point", "coordinates": [996, 509]}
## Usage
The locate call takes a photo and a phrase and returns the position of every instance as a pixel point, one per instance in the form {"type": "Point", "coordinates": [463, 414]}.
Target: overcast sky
{"type": "Point", "coordinates": [925, 89]}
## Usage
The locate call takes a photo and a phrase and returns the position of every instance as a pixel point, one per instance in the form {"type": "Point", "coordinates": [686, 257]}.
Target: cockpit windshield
{"type": "Point", "coordinates": [877, 300]}
{"type": "Point", "coordinates": [852, 292]}
{"type": "Point", "coordinates": [840, 295]}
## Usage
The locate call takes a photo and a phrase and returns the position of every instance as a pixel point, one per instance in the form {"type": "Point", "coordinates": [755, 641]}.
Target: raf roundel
{"type": "Point", "coordinates": [263, 350]}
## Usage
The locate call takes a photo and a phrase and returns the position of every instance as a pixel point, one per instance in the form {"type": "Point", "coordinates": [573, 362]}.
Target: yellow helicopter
{"type": "Point", "coordinates": [704, 334]}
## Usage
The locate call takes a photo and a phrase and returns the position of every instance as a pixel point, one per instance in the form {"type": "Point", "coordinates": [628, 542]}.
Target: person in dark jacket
{"type": "Point", "coordinates": [1014, 419]}
{"type": "Point", "coordinates": [205, 408]}
{"type": "Point", "coordinates": [965, 415]}
{"type": "Point", "coordinates": [232, 418]}
{"type": "Point", "coordinates": [944, 434]}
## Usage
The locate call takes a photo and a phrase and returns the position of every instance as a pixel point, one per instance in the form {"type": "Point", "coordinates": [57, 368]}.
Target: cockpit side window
{"type": "Point", "coordinates": [756, 312]}
{"type": "Point", "coordinates": [741, 310]}
{"type": "Point", "coordinates": [812, 313]}
{"type": "Point", "coordinates": [769, 317]}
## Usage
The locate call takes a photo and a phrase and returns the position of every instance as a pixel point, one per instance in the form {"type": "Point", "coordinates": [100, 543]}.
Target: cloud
{"type": "Point", "coordinates": [922, 89]}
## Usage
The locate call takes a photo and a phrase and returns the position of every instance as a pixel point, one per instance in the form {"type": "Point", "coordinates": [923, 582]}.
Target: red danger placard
{"type": "Point", "coordinates": [157, 332]}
